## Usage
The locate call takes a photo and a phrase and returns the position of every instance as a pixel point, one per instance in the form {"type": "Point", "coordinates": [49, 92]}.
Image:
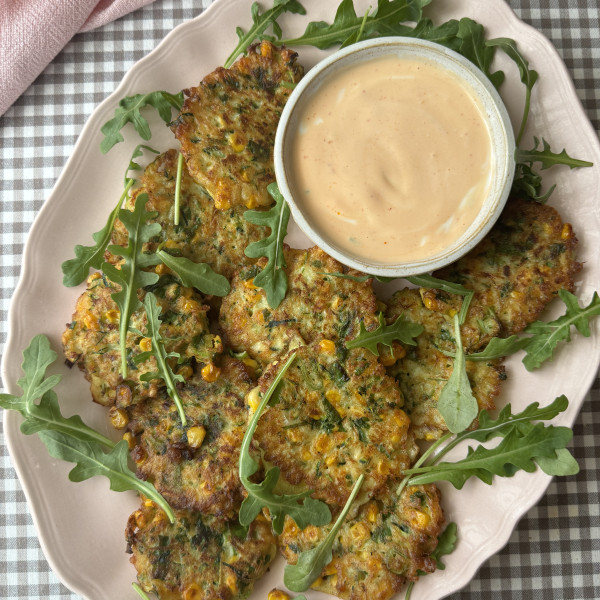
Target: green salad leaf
{"type": "Point", "coordinates": [547, 158]}
{"type": "Point", "coordinates": [546, 336]}
{"type": "Point", "coordinates": [158, 351]}
{"type": "Point", "coordinates": [196, 275]}
{"type": "Point", "coordinates": [272, 278]}
{"type": "Point", "coordinates": [300, 507]}
{"type": "Point", "coordinates": [499, 348]}
{"type": "Point", "coordinates": [129, 111]}
{"type": "Point", "coordinates": [130, 275]}
{"type": "Point", "coordinates": [302, 575]}
{"type": "Point", "coordinates": [456, 403]}
{"type": "Point", "coordinates": [402, 329]}
{"type": "Point", "coordinates": [75, 270]}
{"type": "Point", "coordinates": [260, 23]}
{"type": "Point", "coordinates": [134, 166]}
{"type": "Point", "coordinates": [70, 438]}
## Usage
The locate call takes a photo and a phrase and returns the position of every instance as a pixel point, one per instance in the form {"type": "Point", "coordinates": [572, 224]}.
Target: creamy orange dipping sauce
{"type": "Point", "coordinates": [391, 160]}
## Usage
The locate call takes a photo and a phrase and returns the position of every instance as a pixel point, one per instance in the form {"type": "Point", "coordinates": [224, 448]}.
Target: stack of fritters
{"type": "Point", "coordinates": [337, 414]}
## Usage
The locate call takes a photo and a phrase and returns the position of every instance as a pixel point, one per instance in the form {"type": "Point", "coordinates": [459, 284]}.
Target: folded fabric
{"type": "Point", "coordinates": [33, 32]}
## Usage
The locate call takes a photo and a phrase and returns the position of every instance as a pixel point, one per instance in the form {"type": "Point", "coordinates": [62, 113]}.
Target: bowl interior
{"type": "Point", "coordinates": [493, 112]}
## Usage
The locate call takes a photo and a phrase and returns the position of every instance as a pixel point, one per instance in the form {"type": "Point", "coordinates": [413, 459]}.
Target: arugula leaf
{"type": "Point", "coordinates": [133, 166]}
{"type": "Point", "coordinates": [140, 591]}
{"type": "Point", "coordinates": [428, 281]}
{"type": "Point", "coordinates": [273, 278]}
{"type": "Point", "coordinates": [70, 438]}
{"type": "Point", "coordinates": [261, 22]}
{"type": "Point", "coordinates": [129, 111]}
{"type": "Point", "coordinates": [402, 329]}
{"type": "Point", "coordinates": [446, 545]}
{"type": "Point", "coordinates": [474, 47]}
{"type": "Point", "coordinates": [130, 276]}
{"type": "Point", "coordinates": [456, 403]}
{"type": "Point", "coordinates": [153, 310]}
{"type": "Point", "coordinates": [528, 76]}
{"type": "Point", "coordinates": [562, 464]}
{"type": "Point", "coordinates": [528, 183]}
{"type": "Point", "coordinates": [546, 336]}
{"type": "Point", "coordinates": [37, 357]}
{"type": "Point", "coordinates": [499, 348]}
{"type": "Point", "coordinates": [91, 460]}
{"type": "Point", "coordinates": [358, 278]}
{"type": "Point", "coordinates": [547, 158]}
{"type": "Point", "coordinates": [302, 575]}
{"type": "Point", "coordinates": [197, 275]}
{"type": "Point", "coordinates": [514, 452]}
{"type": "Point", "coordinates": [75, 270]}
{"type": "Point", "coordinates": [260, 495]}
{"type": "Point", "coordinates": [347, 25]}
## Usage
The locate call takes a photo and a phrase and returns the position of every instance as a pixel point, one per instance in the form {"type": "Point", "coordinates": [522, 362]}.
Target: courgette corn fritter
{"type": "Point", "coordinates": [318, 304]}
{"type": "Point", "coordinates": [528, 256]}
{"type": "Point", "coordinates": [91, 340]}
{"type": "Point", "coordinates": [388, 542]}
{"type": "Point", "coordinates": [196, 466]}
{"type": "Point", "coordinates": [227, 125]}
{"type": "Point", "coordinates": [204, 234]}
{"type": "Point", "coordinates": [424, 369]}
{"type": "Point", "coordinates": [197, 557]}
{"type": "Point", "coordinates": [337, 416]}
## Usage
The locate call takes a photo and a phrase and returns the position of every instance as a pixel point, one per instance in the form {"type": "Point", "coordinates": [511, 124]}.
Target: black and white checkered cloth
{"type": "Point", "coordinates": [554, 553]}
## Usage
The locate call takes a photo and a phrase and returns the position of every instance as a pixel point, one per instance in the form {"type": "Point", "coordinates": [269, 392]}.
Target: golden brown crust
{"type": "Point", "coordinates": [337, 416]}
{"type": "Point", "coordinates": [227, 125]}
{"type": "Point", "coordinates": [388, 542]}
{"type": "Point", "coordinates": [317, 305]}
{"type": "Point", "coordinates": [204, 234]}
{"type": "Point", "coordinates": [520, 265]}
{"type": "Point", "coordinates": [197, 557]}
{"type": "Point", "coordinates": [205, 477]}
{"type": "Point", "coordinates": [91, 340]}
{"type": "Point", "coordinates": [424, 369]}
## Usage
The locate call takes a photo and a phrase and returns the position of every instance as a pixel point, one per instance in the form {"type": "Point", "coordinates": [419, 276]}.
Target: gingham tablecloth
{"type": "Point", "coordinates": [554, 553]}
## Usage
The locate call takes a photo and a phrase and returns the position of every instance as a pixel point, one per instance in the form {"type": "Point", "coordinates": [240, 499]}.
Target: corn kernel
{"type": "Point", "coordinates": [293, 435]}
{"type": "Point", "coordinates": [567, 231]}
{"type": "Point", "coordinates": [330, 569]}
{"type": "Point", "coordinates": [130, 439]}
{"type": "Point", "coordinates": [383, 468]}
{"type": "Point", "coordinates": [322, 444]}
{"type": "Point", "coordinates": [217, 343]}
{"type": "Point", "coordinates": [95, 276]}
{"type": "Point", "coordinates": [190, 305]}
{"type": "Point", "coordinates": [148, 503]}
{"type": "Point", "coordinates": [253, 399]}
{"type": "Point", "coordinates": [429, 303]}
{"type": "Point", "coordinates": [252, 201]}
{"type": "Point", "coordinates": [372, 512]}
{"type": "Point", "coordinates": [266, 49]}
{"type": "Point", "coordinates": [140, 519]}
{"type": "Point", "coordinates": [159, 517]}
{"type": "Point", "coordinates": [327, 346]}
{"type": "Point", "coordinates": [277, 595]}
{"type": "Point", "coordinates": [452, 312]}
{"type": "Point", "coordinates": [517, 295]}
{"type": "Point", "coordinates": [118, 417]}
{"type": "Point", "coordinates": [245, 176]}
{"type": "Point", "coordinates": [123, 395]}
{"type": "Point", "coordinates": [251, 364]}
{"type": "Point", "coordinates": [186, 371]}
{"type": "Point", "coordinates": [145, 344]}
{"type": "Point", "coordinates": [360, 534]}
{"type": "Point", "coordinates": [210, 373]}
{"type": "Point", "coordinates": [249, 284]}
{"type": "Point", "coordinates": [192, 592]}
{"type": "Point", "coordinates": [429, 437]}
{"type": "Point", "coordinates": [91, 322]}
{"type": "Point", "coordinates": [222, 196]}
{"type": "Point", "coordinates": [330, 460]}
{"type": "Point", "coordinates": [306, 455]}
{"type": "Point", "coordinates": [231, 582]}
{"type": "Point", "coordinates": [171, 244]}
{"type": "Point", "coordinates": [420, 519]}
{"type": "Point", "coordinates": [195, 436]}
{"type": "Point", "coordinates": [161, 269]}
{"type": "Point", "coordinates": [337, 301]}
{"type": "Point", "coordinates": [237, 141]}
{"type": "Point", "coordinates": [111, 316]}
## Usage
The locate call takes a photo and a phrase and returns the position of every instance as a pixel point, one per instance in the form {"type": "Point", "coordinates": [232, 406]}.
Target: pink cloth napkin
{"type": "Point", "coordinates": [33, 32]}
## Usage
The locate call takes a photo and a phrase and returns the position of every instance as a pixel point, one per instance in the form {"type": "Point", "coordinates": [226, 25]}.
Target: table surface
{"type": "Point", "coordinates": [555, 550]}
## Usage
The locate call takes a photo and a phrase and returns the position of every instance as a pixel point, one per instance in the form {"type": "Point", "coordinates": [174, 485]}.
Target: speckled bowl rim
{"type": "Point", "coordinates": [501, 132]}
